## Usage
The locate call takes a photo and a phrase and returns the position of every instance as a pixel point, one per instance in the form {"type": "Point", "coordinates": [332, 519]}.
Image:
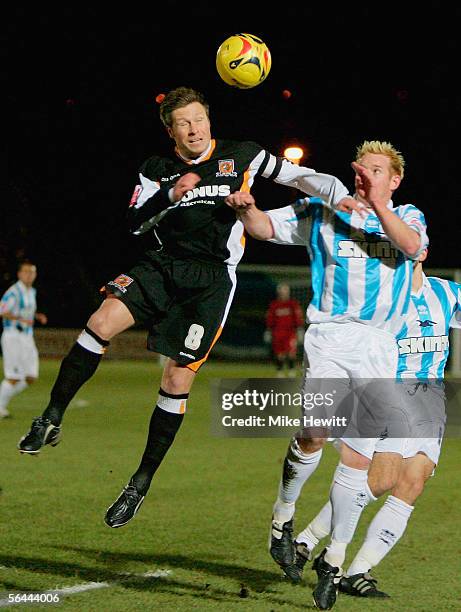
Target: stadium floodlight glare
{"type": "Point", "coordinates": [293, 154]}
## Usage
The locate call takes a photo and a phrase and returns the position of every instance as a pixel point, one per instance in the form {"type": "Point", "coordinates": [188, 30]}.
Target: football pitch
{"type": "Point", "coordinates": [199, 541]}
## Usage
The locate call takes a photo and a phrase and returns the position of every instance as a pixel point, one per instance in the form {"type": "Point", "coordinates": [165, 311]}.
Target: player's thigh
{"type": "Point", "coordinates": [145, 292]}
{"type": "Point", "coordinates": [413, 475]}
{"type": "Point", "coordinates": [384, 471]}
{"type": "Point", "coordinates": [176, 379]}
{"type": "Point", "coordinates": [195, 320]}
{"type": "Point", "coordinates": [356, 452]}
{"type": "Point", "coordinates": [111, 318]}
{"type": "Point", "coordinates": [418, 467]}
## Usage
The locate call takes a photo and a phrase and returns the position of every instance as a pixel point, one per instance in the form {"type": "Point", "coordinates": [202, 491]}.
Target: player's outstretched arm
{"type": "Point", "coordinates": [402, 236]}
{"type": "Point", "coordinates": [329, 189]}
{"type": "Point", "coordinates": [255, 221]}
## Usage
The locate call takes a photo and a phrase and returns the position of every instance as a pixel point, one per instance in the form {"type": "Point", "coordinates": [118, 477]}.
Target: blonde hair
{"type": "Point", "coordinates": [383, 148]}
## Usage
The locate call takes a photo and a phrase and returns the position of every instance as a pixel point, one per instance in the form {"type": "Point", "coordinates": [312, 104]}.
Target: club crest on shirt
{"type": "Point", "coordinates": [226, 168]}
{"type": "Point", "coordinates": [121, 282]}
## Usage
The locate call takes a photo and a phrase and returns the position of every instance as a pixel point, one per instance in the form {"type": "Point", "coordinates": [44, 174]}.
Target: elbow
{"type": "Point", "coordinates": [258, 235]}
{"type": "Point", "coordinates": [413, 249]}
{"type": "Point", "coordinates": [412, 246]}
{"type": "Point", "coordinates": [411, 253]}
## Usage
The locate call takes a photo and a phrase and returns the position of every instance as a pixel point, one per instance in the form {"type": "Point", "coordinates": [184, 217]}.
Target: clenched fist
{"type": "Point", "coordinates": [240, 201]}
{"type": "Point", "coordinates": [184, 184]}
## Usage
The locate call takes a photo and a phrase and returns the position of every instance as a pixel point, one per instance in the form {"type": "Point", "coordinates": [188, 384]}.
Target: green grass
{"type": "Point", "coordinates": [205, 519]}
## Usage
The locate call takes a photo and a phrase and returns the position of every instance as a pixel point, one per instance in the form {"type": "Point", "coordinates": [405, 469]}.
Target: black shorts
{"type": "Point", "coordinates": [183, 303]}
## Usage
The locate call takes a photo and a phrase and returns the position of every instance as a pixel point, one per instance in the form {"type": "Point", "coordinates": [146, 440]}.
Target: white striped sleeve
{"type": "Point", "coordinates": [291, 223]}
{"type": "Point", "coordinates": [414, 218]}
{"type": "Point", "coordinates": [144, 191]}
{"type": "Point", "coordinates": [324, 186]}
{"type": "Point", "coordinates": [456, 318]}
{"type": "Point", "coordinates": [8, 302]}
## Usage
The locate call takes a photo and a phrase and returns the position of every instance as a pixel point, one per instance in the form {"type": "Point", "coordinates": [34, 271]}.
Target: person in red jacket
{"type": "Point", "coordinates": [284, 319]}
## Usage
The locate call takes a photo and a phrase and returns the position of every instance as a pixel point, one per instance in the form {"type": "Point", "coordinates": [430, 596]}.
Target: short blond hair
{"type": "Point", "coordinates": [383, 148]}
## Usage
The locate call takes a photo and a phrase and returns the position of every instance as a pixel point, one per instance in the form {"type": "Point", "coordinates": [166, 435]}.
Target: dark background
{"type": "Point", "coordinates": [80, 84]}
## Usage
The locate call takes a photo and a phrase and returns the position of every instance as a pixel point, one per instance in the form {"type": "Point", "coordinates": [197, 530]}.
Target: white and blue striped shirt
{"type": "Point", "coordinates": [424, 339]}
{"type": "Point", "coordinates": [358, 275]}
{"type": "Point", "coordinates": [19, 301]}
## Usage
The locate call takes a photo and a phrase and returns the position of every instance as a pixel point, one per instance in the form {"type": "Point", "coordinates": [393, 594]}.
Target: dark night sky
{"type": "Point", "coordinates": [81, 117]}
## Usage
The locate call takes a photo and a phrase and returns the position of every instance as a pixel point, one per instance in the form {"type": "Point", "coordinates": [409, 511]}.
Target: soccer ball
{"type": "Point", "coordinates": [243, 61]}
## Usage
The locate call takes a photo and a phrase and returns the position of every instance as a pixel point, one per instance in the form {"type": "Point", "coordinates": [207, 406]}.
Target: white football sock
{"type": "Point", "coordinates": [7, 391]}
{"type": "Point", "coordinates": [317, 529]}
{"type": "Point", "coordinates": [349, 495]}
{"type": "Point", "coordinates": [320, 526]}
{"type": "Point", "coordinates": [384, 532]}
{"type": "Point", "coordinates": [297, 468]}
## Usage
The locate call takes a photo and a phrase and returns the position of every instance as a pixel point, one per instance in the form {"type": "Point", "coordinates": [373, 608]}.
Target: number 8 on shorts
{"type": "Point", "coordinates": [194, 336]}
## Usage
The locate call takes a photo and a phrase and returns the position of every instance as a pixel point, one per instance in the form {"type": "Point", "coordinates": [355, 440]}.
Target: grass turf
{"type": "Point", "coordinates": [206, 517]}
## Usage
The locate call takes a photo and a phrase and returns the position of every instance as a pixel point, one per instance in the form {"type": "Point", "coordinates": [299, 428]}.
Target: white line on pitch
{"type": "Point", "coordinates": [87, 586]}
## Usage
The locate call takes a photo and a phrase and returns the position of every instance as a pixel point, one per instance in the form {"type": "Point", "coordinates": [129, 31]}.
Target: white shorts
{"type": "Point", "coordinates": [430, 447]}
{"type": "Point", "coordinates": [426, 417]}
{"type": "Point", "coordinates": [356, 365]}
{"type": "Point", "coordinates": [407, 447]}
{"type": "Point", "coordinates": [368, 446]}
{"type": "Point", "coordinates": [20, 355]}
{"type": "Point", "coordinates": [349, 350]}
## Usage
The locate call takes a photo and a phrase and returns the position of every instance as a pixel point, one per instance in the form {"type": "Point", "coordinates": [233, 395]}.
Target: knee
{"type": "Point", "coordinates": [310, 445]}
{"type": "Point", "coordinates": [381, 483]}
{"type": "Point", "coordinates": [384, 473]}
{"type": "Point", "coordinates": [100, 324]}
{"type": "Point", "coordinates": [175, 379]}
{"type": "Point", "coordinates": [171, 384]}
{"type": "Point", "coordinates": [409, 489]}
{"type": "Point", "coordinates": [353, 459]}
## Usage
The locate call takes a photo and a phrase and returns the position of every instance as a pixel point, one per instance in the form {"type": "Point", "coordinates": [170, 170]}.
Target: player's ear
{"type": "Point", "coordinates": [395, 181]}
{"type": "Point", "coordinates": [170, 132]}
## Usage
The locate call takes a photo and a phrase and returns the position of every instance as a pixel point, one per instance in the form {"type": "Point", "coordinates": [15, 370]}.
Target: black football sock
{"type": "Point", "coordinates": [79, 365]}
{"type": "Point", "coordinates": [164, 424]}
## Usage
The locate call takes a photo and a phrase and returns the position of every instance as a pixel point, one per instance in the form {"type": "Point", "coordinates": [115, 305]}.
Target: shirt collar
{"type": "Point", "coordinates": [23, 286]}
{"type": "Point", "coordinates": [198, 159]}
{"type": "Point", "coordinates": [424, 285]}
